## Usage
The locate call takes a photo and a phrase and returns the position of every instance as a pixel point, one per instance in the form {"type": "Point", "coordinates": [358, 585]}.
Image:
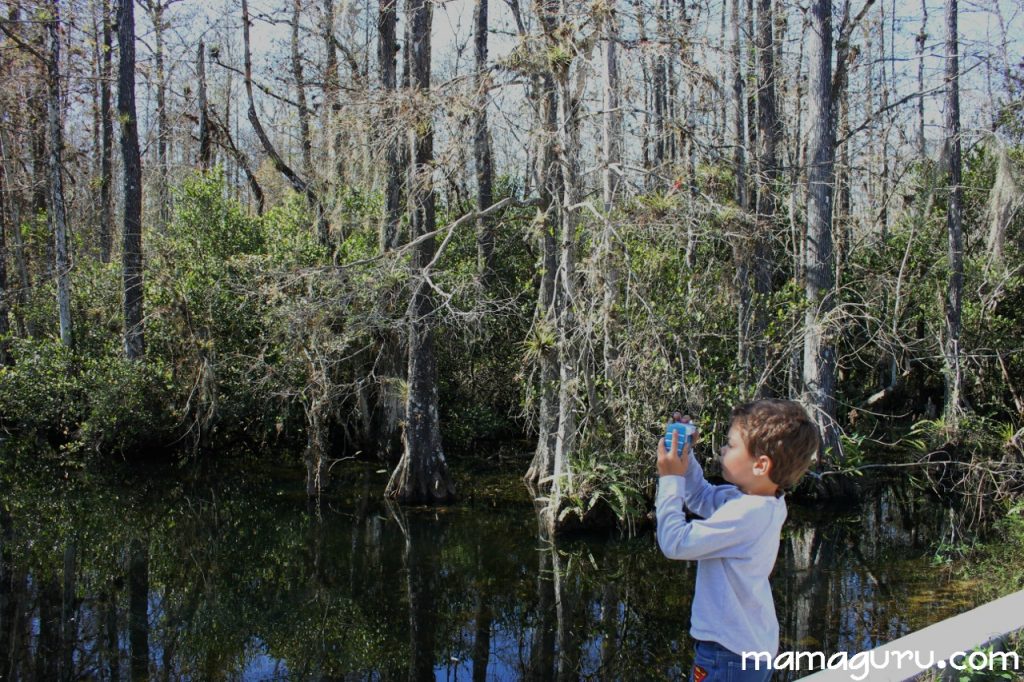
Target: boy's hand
{"type": "Point", "coordinates": [668, 463]}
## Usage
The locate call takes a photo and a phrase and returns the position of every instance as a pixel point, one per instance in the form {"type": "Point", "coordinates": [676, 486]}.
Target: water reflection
{"type": "Point", "coordinates": [245, 581]}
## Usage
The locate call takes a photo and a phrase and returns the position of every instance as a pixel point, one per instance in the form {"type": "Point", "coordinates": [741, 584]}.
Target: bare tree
{"type": "Point", "coordinates": [819, 351]}
{"type": "Point", "coordinates": [387, 49]}
{"type": "Point", "coordinates": [106, 226]}
{"type": "Point", "coordinates": [204, 118]}
{"type": "Point", "coordinates": [768, 136]}
{"type": "Point", "coordinates": [954, 223]}
{"type": "Point", "coordinates": [58, 212]}
{"type": "Point", "coordinates": [482, 144]}
{"type": "Point", "coordinates": [134, 342]}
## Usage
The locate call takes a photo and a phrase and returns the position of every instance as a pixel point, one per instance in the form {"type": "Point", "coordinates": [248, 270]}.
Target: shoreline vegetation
{"type": "Point", "coordinates": [389, 252]}
{"type": "Point", "coordinates": [256, 340]}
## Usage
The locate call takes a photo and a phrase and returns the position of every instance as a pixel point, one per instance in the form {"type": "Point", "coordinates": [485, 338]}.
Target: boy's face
{"type": "Point", "coordinates": [739, 467]}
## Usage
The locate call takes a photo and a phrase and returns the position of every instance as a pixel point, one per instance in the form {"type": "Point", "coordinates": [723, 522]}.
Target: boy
{"type": "Point", "coordinates": [769, 447]}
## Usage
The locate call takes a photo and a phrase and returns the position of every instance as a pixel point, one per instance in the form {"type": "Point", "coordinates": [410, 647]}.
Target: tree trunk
{"type": "Point", "coordinates": [922, 37]}
{"type": "Point", "coordinates": [882, 215]}
{"type": "Point", "coordinates": [841, 217]}
{"type": "Point", "coordinates": [332, 86]}
{"type": "Point", "coordinates": [134, 342]}
{"type": "Point", "coordinates": [387, 48]}
{"type": "Point", "coordinates": [106, 141]}
{"type": "Point", "coordinates": [954, 223]}
{"type": "Point", "coordinates": [163, 174]}
{"type": "Point", "coordinates": [660, 93]}
{"type": "Point", "coordinates": [768, 137]}
{"type": "Point", "coordinates": [305, 141]}
{"type": "Point", "coordinates": [819, 353]}
{"type": "Point", "coordinates": [741, 248]}
{"type": "Point", "coordinates": [313, 199]}
{"type": "Point", "coordinates": [5, 324]}
{"type": "Point", "coordinates": [568, 150]}
{"type": "Point", "coordinates": [422, 474]}
{"type": "Point", "coordinates": [611, 138]}
{"type": "Point", "coordinates": [542, 465]}
{"type": "Point", "coordinates": [204, 119]}
{"type": "Point", "coordinates": [545, 322]}
{"type": "Point", "coordinates": [58, 214]}
{"type": "Point", "coordinates": [482, 146]}
{"type": "Point", "coordinates": [25, 326]}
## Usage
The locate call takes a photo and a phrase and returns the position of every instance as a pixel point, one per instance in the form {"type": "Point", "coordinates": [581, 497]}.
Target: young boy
{"type": "Point", "coordinates": [769, 447]}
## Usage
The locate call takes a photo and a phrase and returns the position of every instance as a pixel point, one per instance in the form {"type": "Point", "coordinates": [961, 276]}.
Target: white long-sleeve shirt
{"type": "Point", "coordinates": [735, 548]}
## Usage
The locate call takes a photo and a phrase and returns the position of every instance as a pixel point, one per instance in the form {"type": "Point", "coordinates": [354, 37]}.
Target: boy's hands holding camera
{"type": "Point", "coordinates": [668, 463]}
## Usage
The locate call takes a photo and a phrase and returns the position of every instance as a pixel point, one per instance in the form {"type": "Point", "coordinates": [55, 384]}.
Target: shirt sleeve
{"type": "Point", "coordinates": [699, 496]}
{"type": "Point", "coordinates": [721, 536]}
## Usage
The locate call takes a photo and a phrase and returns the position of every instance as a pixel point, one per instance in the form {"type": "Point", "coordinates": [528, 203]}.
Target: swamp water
{"type": "Point", "coordinates": [238, 577]}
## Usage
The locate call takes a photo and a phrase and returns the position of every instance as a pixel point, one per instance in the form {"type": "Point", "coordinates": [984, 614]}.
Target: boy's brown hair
{"type": "Point", "coordinates": [782, 431]}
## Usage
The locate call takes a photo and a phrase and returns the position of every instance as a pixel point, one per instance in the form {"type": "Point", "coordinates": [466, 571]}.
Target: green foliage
{"type": "Point", "coordinates": [996, 560]}
{"type": "Point", "coordinates": [619, 481]}
{"type": "Point", "coordinates": [84, 402]}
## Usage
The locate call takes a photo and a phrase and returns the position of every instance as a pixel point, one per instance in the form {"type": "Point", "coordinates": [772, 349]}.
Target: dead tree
{"type": "Point", "coordinates": [134, 342]}
{"type": "Point", "coordinates": [819, 352]}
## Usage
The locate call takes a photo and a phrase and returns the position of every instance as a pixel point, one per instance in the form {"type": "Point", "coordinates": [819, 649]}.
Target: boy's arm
{"type": "Point", "coordinates": [701, 497]}
{"type": "Point", "coordinates": [720, 536]}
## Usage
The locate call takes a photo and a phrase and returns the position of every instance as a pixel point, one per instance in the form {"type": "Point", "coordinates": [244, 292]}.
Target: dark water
{"type": "Point", "coordinates": [237, 577]}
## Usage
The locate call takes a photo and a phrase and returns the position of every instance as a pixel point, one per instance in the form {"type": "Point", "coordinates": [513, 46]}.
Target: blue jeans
{"type": "Point", "coordinates": [714, 663]}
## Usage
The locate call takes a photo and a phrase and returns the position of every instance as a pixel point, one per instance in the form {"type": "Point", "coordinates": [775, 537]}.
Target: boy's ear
{"type": "Point", "coordinates": [762, 465]}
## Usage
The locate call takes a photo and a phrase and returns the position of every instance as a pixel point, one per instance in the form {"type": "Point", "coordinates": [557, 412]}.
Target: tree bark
{"type": "Point", "coordinates": [134, 341]}
{"type": "Point", "coordinates": [422, 474]}
{"type": "Point", "coordinates": [156, 11]}
{"type": "Point", "coordinates": [568, 150]}
{"type": "Point", "coordinates": [387, 49]}
{"type": "Point", "coordinates": [58, 213]}
{"type": "Point", "coordinates": [204, 119]}
{"type": "Point", "coordinates": [741, 247]}
{"type": "Point", "coordinates": [819, 353]}
{"type": "Point", "coordinates": [482, 146]}
{"type": "Point", "coordinates": [660, 91]}
{"type": "Point", "coordinates": [952, 408]}
{"type": "Point", "coordinates": [611, 138]}
{"type": "Point", "coordinates": [298, 73]}
{"type": "Point", "coordinates": [5, 324]}
{"type": "Point", "coordinates": [542, 465]}
{"type": "Point", "coordinates": [25, 326]}
{"type": "Point", "coordinates": [768, 137]}
{"type": "Point", "coordinates": [922, 36]}
{"type": "Point", "coordinates": [106, 235]}
{"type": "Point", "coordinates": [332, 86]}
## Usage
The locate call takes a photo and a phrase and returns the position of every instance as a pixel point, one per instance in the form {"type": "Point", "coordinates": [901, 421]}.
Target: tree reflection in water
{"type": "Point", "coordinates": [184, 581]}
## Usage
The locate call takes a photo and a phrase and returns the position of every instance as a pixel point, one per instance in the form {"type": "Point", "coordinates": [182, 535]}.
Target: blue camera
{"type": "Point", "coordinates": [685, 437]}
